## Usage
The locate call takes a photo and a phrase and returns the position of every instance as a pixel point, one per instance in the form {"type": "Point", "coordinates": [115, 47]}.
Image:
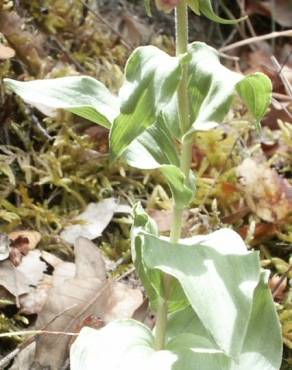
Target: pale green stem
{"type": "Point", "coordinates": [181, 21]}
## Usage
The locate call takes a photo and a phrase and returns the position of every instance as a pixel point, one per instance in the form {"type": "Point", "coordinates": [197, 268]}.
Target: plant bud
{"type": "Point", "coordinates": [166, 5]}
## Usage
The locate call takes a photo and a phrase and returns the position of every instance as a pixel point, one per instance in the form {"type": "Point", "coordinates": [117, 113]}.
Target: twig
{"type": "Point", "coordinates": [34, 332]}
{"type": "Point", "coordinates": [282, 96]}
{"type": "Point", "coordinates": [252, 40]}
{"type": "Point", "coordinates": [284, 79]}
{"type": "Point", "coordinates": [104, 21]}
{"type": "Point", "coordinates": [68, 55]}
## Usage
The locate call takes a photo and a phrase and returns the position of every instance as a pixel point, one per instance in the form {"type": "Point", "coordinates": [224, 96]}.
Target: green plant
{"type": "Point", "coordinates": [213, 308]}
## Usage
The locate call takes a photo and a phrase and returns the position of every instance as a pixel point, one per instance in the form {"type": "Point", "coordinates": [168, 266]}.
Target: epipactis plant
{"type": "Point", "coordinates": [213, 308]}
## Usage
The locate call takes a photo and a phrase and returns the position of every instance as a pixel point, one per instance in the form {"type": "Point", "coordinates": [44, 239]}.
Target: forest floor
{"type": "Point", "coordinates": [55, 169]}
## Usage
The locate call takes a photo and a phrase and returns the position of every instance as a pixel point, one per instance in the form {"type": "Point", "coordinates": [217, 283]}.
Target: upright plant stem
{"type": "Point", "coordinates": [181, 21]}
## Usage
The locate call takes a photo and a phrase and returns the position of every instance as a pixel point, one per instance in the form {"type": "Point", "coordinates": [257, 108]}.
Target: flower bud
{"type": "Point", "coordinates": [166, 5]}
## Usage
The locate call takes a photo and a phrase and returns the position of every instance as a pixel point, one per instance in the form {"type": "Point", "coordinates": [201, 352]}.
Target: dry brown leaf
{"type": "Point", "coordinates": [17, 280]}
{"type": "Point", "coordinates": [28, 237]}
{"type": "Point", "coordinates": [6, 52]}
{"type": "Point", "coordinates": [93, 220]}
{"type": "Point", "coordinates": [34, 301]}
{"type": "Point", "coordinates": [267, 194]}
{"type": "Point", "coordinates": [24, 358]}
{"type": "Point", "coordinates": [73, 300]}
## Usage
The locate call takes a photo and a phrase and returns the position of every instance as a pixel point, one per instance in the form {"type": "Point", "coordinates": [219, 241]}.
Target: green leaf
{"type": "Point", "coordinates": [147, 89]}
{"type": "Point", "coordinates": [121, 345]}
{"type": "Point", "coordinates": [262, 347]}
{"type": "Point", "coordinates": [207, 9]}
{"type": "Point", "coordinates": [212, 87]}
{"type": "Point", "coordinates": [218, 277]}
{"type": "Point", "coordinates": [186, 321]}
{"type": "Point", "coordinates": [81, 95]}
{"type": "Point", "coordinates": [196, 352]}
{"type": "Point", "coordinates": [195, 6]}
{"type": "Point", "coordinates": [256, 91]}
{"type": "Point", "coordinates": [151, 279]}
{"type": "Point", "coordinates": [153, 148]}
{"type": "Point", "coordinates": [129, 345]}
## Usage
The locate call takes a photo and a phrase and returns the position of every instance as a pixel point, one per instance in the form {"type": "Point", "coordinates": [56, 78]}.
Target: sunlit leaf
{"type": "Point", "coordinates": [104, 349]}
{"type": "Point", "coordinates": [84, 96]}
{"type": "Point", "coordinates": [218, 277]}
{"type": "Point", "coordinates": [212, 87]}
{"type": "Point", "coordinates": [262, 348]}
{"type": "Point", "coordinates": [153, 148]}
{"type": "Point", "coordinates": [147, 89]}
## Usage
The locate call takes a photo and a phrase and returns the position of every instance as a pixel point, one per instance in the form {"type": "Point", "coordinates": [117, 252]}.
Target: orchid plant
{"type": "Point", "coordinates": [214, 310]}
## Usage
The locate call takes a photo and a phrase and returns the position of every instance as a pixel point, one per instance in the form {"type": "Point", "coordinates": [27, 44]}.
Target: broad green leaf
{"type": "Point", "coordinates": [153, 148]}
{"type": "Point", "coordinates": [152, 77]}
{"type": "Point", "coordinates": [129, 345]}
{"type": "Point", "coordinates": [186, 321]}
{"type": "Point", "coordinates": [82, 95]}
{"type": "Point", "coordinates": [262, 348]}
{"type": "Point", "coordinates": [212, 87]}
{"type": "Point", "coordinates": [121, 345]}
{"type": "Point", "coordinates": [206, 8]}
{"type": "Point", "coordinates": [196, 352]}
{"type": "Point", "coordinates": [151, 278]}
{"type": "Point", "coordinates": [195, 6]}
{"type": "Point", "coordinates": [217, 283]}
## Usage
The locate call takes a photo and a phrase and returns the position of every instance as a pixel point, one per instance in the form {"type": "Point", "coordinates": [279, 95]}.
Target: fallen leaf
{"type": "Point", "coordinates": [282, 12]}
{"type": "Point", "coordinates": [91, 223]}
{"type": "Point", "coordinates": [6, 52]}
{"type": "Point", "coordinates": [24, 358]}
{"type": "Point", "coordinates": [72, 301]}
{"type": "Point", "coordinates": [17, 280]}
{"type": "Point", "coordinates": [267, 194]}
{"type": "Point", "coordinates": [33, 302]}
